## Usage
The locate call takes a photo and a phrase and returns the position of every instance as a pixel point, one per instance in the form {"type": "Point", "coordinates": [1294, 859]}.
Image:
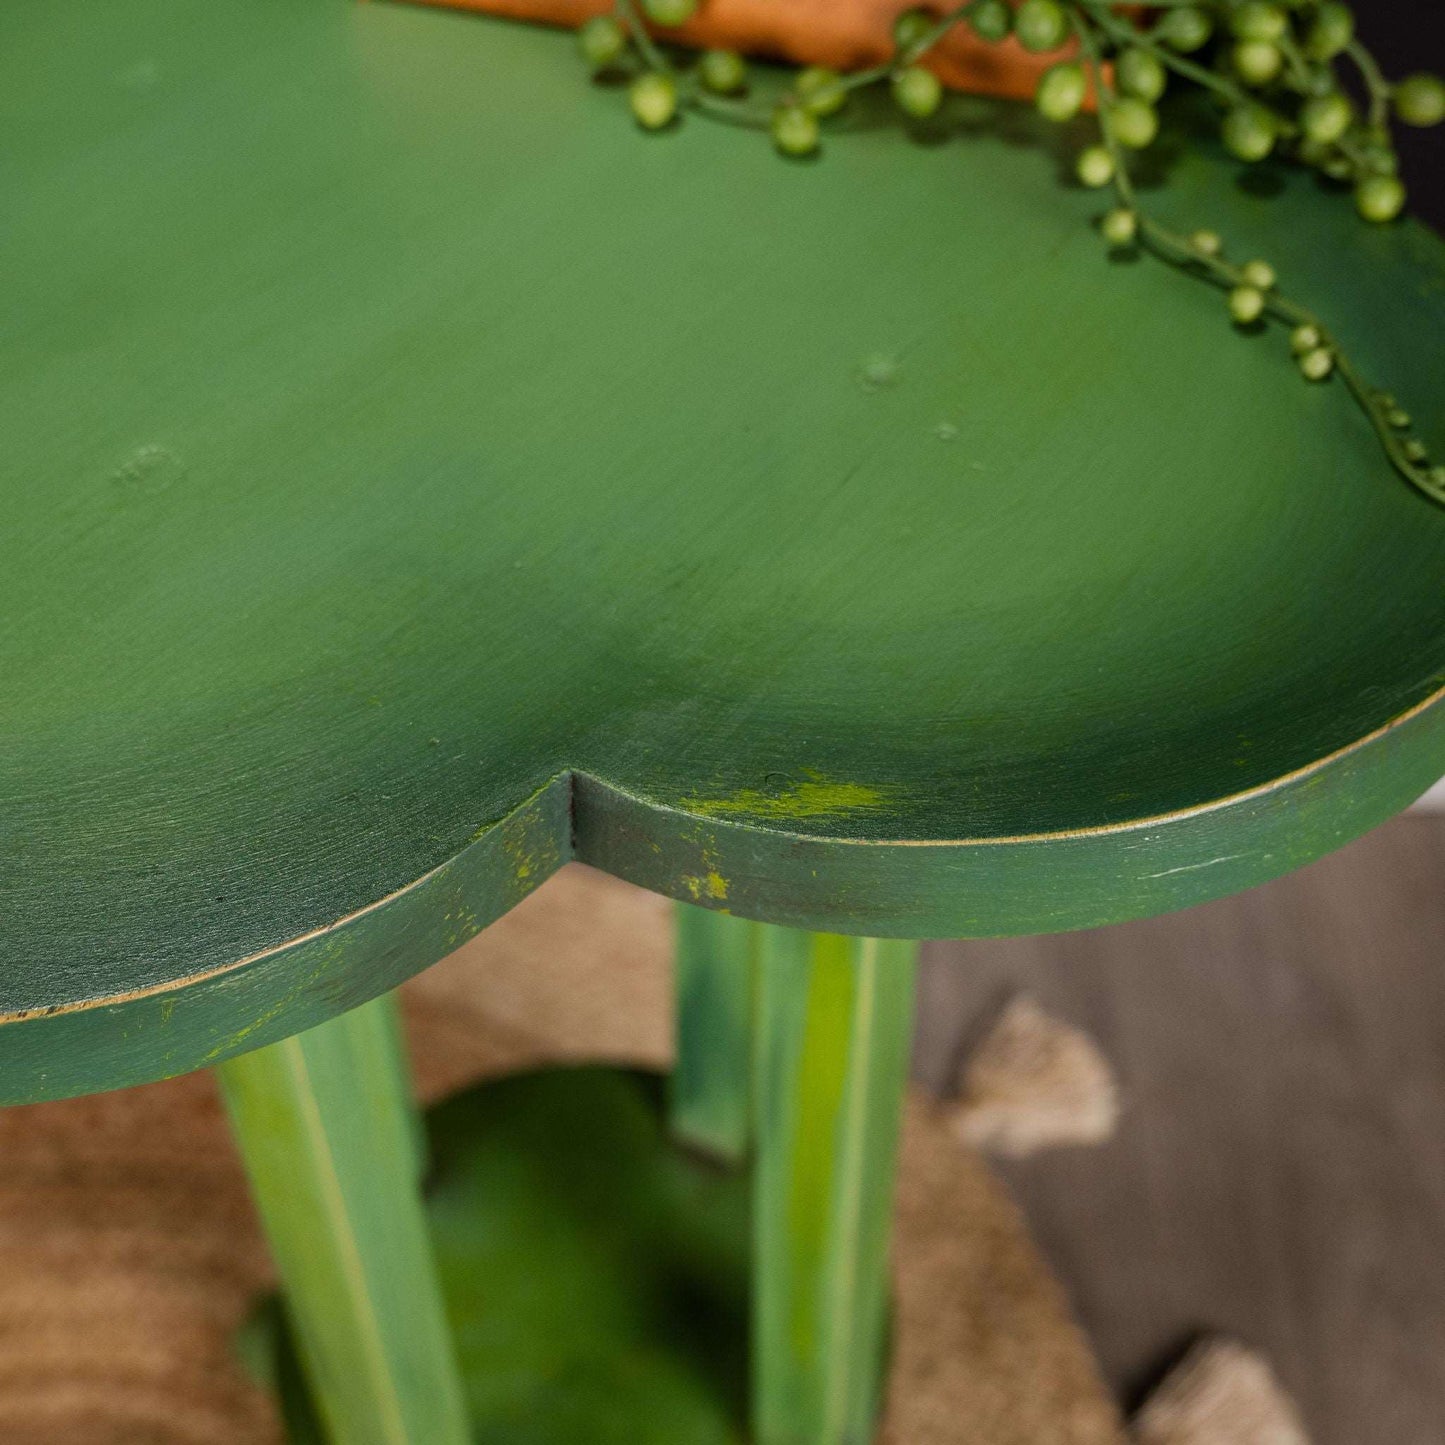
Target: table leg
{"type": "Point", "coordinates": [330, 1145]}
{"type": "Point", "coordinates": [710, 1089]}
{"type": "Point", "coordinates": [833, 1023]}
{"type": "Point", "coordinates": [393, 1036]}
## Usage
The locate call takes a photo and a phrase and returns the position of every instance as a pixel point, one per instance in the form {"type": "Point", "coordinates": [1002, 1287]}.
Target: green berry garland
{"type": "Point", "coordinates": [603, 41]}
{"type": "Point", "coordinates": [918, 91]}
{"type": "Point", "coordinates": [1274, 67]}
{"type": "Point", "coordinates": [653, 97]}
{"type": "Point", "coordinates": [670, 12]}
{"type": "Point", "coordinates": [724, 72]}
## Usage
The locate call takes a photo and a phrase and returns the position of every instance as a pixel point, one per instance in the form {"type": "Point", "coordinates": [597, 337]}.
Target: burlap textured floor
{"type": "Point", "coordinates": [128, 1251]}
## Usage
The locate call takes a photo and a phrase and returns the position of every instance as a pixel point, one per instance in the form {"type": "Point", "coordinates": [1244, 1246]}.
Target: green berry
{"type": "Point", "coordinates": [1041, 25]}
{"type": "Point", "coordinates": [821, 90]}
{"type": "Point", "coordinates": [722, 71]}
{"type": "Point", "coordinates": [1246, 304]}
{"type": "Point", "coordinates": [1420, 100]}
{"type": "Point", "coordinates": [669, 12]}
{"type": "Point", "coordinates": [1061, 91]}
{"type": "Point", "coordinates": [1259, 274]}
{"type": "Point", "coordinates": [992, 20]}
{"type": "Point", "coordinates": [602, 41]}
{"type": "Point", "coordinates": [1095, 166]}
{"type": "Point", "coordinates": [1317, 364]}
{"type": "Point", "coordinates": [1379, 158]}
{"type": "Point", "coordinates": [1258, 20]}
{"type": "Point", "coordinates": [1184, 29]}
{"type": "Point", "coordinates": [917, 92]}
{"type": "Point", "coordinates": [653, 98]}
{"type": "Point", "coordinates": [1414, 450]}
{"type": "Point", "coordinates": [795, 130]}
{"type": "Point", "coordinates": [1326, 118]}
{"type": "Point", "coordinates": [912, 28]}
{"type": "Point", "coordinates": [1248, 132]}
{"type": "Point", "coordinates": [1257, 62]}
{"type": "Point", "coordinates": [1437, 476]}
{"type": "Point", "coordinates": [1120, 226]}
{"type": "Point", "coordinates": [1304, 338]}
{"type": "Point", "coordinates": [1333, 29]}
{"type": "Point", "coordinates": [1141, 74]}
{"type": "Point", "coordinates": [1207, 243]}
{"type": "Point", "coordinates": [1134, 123]}
{"type": "Point", "coordinates": [1398, 418]}
{"type": "Point", "coordinates": [1380, 198]}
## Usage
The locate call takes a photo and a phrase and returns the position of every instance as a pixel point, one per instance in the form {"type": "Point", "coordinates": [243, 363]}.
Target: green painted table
{"type": "Point", "coordinates": [414, 479]}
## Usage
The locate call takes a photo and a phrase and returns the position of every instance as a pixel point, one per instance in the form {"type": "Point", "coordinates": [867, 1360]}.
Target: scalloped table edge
{"type": "Point", "coordinates": [965, 887]}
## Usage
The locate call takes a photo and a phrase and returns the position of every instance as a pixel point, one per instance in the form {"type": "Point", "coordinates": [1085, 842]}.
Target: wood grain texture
{"type": "Point", "coordinates": [415, 478]}
{"type": "Point", "coordinates": [331, 1154]}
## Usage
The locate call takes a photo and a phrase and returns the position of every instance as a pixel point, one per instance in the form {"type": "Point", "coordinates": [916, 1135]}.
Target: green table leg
{"type": "Point", "coordinates": [330, 1146]}
{"type": "Point", "coordinates": [833, 1026]}
{"type": "Point", "coordinates": [399, 1076]}
{"type": "Point", "coordinates": [710, 1090]}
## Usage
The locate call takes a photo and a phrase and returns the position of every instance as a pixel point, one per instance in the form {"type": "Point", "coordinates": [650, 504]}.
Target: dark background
{"type": "Point", "coordinates": [1409, 35]}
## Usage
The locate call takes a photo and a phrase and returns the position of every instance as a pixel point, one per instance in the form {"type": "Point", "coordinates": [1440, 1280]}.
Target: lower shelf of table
{"type": "Point", "coordinates": [595, 1273]}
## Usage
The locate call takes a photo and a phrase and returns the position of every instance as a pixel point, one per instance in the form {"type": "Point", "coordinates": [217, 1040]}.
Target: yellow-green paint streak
{"type": "Point", "coordinates": [833, 1022]}
{"type": "Point", "coordinates": [821, 1081]}
{"type": "Point", "coordinates": [814, 799]}
{"type": "Point", "coordinates": [706, 885]}
{"type": "Point", "coordinates": [235, 1042]}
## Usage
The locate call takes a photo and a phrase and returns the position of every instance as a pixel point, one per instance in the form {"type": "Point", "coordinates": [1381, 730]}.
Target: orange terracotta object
{"type": "Point", "coordinates": [845, 34]}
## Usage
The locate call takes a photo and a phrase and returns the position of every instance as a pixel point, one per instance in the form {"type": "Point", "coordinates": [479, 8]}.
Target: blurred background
{"type": "Point", "coordinates": [1276, 1173]}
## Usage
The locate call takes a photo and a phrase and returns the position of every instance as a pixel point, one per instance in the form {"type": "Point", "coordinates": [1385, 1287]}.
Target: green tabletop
{"type": "Point", "coordinates": [414, 477]}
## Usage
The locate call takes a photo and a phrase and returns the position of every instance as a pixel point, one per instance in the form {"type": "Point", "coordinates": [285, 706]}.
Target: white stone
{"type": "Point", "coordinates": [1222, 1393]}
{"type": "Point", "coordinates": [1035, 1082]}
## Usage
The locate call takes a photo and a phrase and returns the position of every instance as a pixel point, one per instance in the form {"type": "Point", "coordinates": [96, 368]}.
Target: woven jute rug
{"type": "Point", "coordinates": [129, 1252]}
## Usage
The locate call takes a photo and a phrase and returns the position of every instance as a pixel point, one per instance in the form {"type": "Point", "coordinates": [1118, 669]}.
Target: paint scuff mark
{"type": "Point", "coordinates": [1194, 867]}
{"type": "Point", "coordinates": [818, 797]}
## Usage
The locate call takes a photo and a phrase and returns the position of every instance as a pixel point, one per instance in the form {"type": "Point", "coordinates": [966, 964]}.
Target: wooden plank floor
{"type": "Point", "coordinates": [1279, 1172]}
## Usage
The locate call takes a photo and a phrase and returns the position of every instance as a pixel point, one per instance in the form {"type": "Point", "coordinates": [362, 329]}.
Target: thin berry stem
{"type": "Point", "coordinates": [1375, 83]}
{"type": "Point", "coordinates": [1101, 31]}
{"type": "Point", "coordinates": [1179, 252]}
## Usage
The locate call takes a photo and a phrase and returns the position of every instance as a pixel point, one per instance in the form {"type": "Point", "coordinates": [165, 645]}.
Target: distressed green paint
{"type": "Point", "coordinates": [834, 1022]}
{"type": "Point", "coordinates": [331, 1155]}
{"type": "Point", "coordinates": [387, 522]}
{"type": "Point", "coordinates": [710, 1088]}
{"type": "Point", "coordinates": [812, 799]}
{"type": "Point", "coordinates": [294, 987]}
